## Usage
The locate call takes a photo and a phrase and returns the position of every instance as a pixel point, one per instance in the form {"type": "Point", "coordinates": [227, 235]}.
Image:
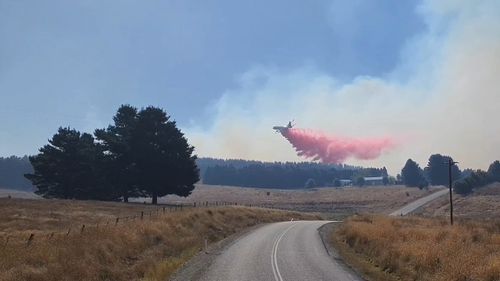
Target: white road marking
{"type": "Point", "coordinates": [274, 255]}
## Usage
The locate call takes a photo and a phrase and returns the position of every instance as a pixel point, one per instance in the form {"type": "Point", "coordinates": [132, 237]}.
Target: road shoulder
{"type": "Point", "coordinates": [195, 268]}
{"type": "Point", "coordinates": [326, 233]}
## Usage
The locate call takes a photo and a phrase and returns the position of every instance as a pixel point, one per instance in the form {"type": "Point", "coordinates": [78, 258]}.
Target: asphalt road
{"type": "Point", "coordinates": [419, 203]}
{"type": "Point", "coordinates": [291, 251]}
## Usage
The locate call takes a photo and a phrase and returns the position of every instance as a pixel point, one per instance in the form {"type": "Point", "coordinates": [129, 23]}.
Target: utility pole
{"type": "Point", "coordinates": [450, 164]}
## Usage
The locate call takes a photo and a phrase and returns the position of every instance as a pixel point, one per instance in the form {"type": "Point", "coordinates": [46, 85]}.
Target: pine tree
{"type": "Point", "coordinates": [69, 167]}
{"type": "Point", "coordinates": [412, 175]}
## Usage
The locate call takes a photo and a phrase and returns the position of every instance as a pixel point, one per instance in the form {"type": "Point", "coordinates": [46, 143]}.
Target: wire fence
{"type": "Point", "coordinates": [28, 238]}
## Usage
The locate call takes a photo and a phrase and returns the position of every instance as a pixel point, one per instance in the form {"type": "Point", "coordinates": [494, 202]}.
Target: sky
{"type": "Point", "coordinates": [424, 72]}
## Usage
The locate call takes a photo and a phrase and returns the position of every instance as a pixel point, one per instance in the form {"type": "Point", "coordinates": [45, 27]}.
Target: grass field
{"type": "Point", "coordinates": [133, 249]}
{"type": "Point", "coordinates": [346, 200]}
{"type": "Point", "coordinates": [483, 204]}
{"type": "Point", "coordinates": [414, 248]}
{"type": "Point", "coordinates": [5, 192]}
{"type": "Point", "coordinates": [341, 201]}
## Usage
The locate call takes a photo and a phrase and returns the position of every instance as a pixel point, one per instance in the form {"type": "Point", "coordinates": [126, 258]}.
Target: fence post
{"type": "Point", "coordinates": [83, 228]}
{"type": "Point", "coordinates": [163, 210]}
{"type": "Point", "coordinates": [30, 239]}
{"type": "Point", "coordinates": [142, 215]}
{"type": "Point", "coordinates": [6, 241]}
{"type": "Point", "coordinates": [117, 220]}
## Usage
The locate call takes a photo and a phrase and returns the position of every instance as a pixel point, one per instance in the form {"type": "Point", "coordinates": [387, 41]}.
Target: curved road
{"type": "Point", "coordinates": [410, 207]}
{"type": "Point", "coordinates": [284, 251]}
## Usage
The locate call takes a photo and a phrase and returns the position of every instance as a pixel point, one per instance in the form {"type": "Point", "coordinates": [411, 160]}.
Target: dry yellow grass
{"type": "Point", "coordinates": [151, 249]}
{"type": "Point", "coordinates": [483, 204]}
{"type": "Point", "coordinates": [423, 249]}
{"type": "Point", "coordinates": [348, 200]}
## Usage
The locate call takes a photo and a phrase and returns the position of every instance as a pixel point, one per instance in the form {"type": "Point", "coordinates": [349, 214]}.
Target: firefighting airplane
{"type": "Point", "coordinates": [283, 129]}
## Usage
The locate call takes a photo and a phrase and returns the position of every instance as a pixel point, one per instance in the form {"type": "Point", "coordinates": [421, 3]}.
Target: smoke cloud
{"type": "Point", "coordinates": [334, 149]}
{"type": "Point", "coordinates": [442, 97]}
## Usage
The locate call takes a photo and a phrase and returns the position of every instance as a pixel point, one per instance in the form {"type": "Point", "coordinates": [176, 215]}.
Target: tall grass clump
{"type": "Point", "coordinates": [423, 249]}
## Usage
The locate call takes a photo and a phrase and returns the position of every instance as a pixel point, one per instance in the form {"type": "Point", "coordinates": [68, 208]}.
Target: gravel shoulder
{"type": "Point", "coordinates": [195, 268]}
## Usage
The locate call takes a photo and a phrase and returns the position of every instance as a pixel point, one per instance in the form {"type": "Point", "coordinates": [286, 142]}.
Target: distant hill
{"type": "Point", "coordinates": [12, 170]}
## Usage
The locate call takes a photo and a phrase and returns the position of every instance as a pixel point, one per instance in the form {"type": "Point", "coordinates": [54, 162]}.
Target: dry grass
{"type": "Point", "coordinates": [422, 249]}
{"type": "Point", "coordinates": [483, 204]}
{"type": "Point", "coordinates": [346, 200]}
{"type": "Point", "coordinates": [341, 201]}
{"type": "Point", "coordinates": [151, 249]}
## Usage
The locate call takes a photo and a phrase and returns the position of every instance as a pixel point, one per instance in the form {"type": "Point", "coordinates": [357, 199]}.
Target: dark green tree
{"type": "Point", "coordinates": [476, 179]}
{"type": "Point", "coordinates": [494, 171]}
{"type": "Point", "coordinates": [164, 159]}
{"type": "Point", "coordinates": [412, 175]}
{"type": "Point", "coordinates": [462, 187]}
{"type": "Point", "coordinates": [69, 167]}
{"type": "Point", "coordinates": [385, 180]}
{"type": "Point", "coordinates": [360, 181]}
{"type": "Point", "coordinates": [337, 183]}
{"type": "Point", "coordinates": [437, 170]}
{"type": "Point", "coordinates": [120, 142]}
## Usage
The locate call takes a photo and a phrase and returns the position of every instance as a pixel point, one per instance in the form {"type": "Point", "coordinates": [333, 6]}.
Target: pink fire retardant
{"type": "Point", "coordinates": [333, 149]}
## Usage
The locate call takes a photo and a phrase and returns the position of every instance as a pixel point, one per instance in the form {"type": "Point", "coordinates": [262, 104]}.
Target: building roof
{"type": "Point", "coordinates": [374, 178]}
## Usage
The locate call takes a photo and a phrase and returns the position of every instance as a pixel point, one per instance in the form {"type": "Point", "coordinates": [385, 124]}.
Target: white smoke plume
{"type": "Point", "coordinates": [443, 97]}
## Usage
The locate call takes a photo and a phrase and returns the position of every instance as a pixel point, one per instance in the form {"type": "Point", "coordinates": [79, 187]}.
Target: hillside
{"type": "Point", "coordinates": [483, 203]}
{"type": "Point", "coordinates": [49, 240]}
{"type": "Point", "coordinates": [342, 201]}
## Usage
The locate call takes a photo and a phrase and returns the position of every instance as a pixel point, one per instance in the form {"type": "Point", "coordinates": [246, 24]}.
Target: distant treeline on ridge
{"type": "Point", "coordinates": [280, 174]}
{"type": "Point", "coordinates": [235, 172]}
{"type": "Point", "coordinates": [12, 170]}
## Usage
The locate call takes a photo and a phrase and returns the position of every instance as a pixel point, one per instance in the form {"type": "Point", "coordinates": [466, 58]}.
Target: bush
{"type": "Point", "coordinates": [310, 183]}
{"type": "Point", "coordinates": [360, 181]}
{"type": "Point", "coordinates": [462, 187]}
{"type": "Point", "coordinates": [476, 179]}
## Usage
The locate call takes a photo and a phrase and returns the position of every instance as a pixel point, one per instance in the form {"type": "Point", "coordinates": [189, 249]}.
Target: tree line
{"type": "Point", "coordinates": [286, 175]}
{"type": "Point", "coordinates": [12, 170]}
{"type": "Point", "coordinates": [436, 173]}
{"type": "Point", "coordinates": [142, 153]}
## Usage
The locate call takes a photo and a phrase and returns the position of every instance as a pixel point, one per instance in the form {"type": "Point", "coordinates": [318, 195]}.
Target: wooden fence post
{"type": "Point", "coordinates": [117, 220]}
{"type": "Point", "coordinates": [30, 239]}
{"type": "Point", "coordinates": [83, 228]}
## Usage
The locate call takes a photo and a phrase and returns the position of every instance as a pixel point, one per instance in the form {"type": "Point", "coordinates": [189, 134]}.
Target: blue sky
{"type": "Point", "coordinates": [424, 72]}
{"type": "Point", "coordinates": [72, 63]}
